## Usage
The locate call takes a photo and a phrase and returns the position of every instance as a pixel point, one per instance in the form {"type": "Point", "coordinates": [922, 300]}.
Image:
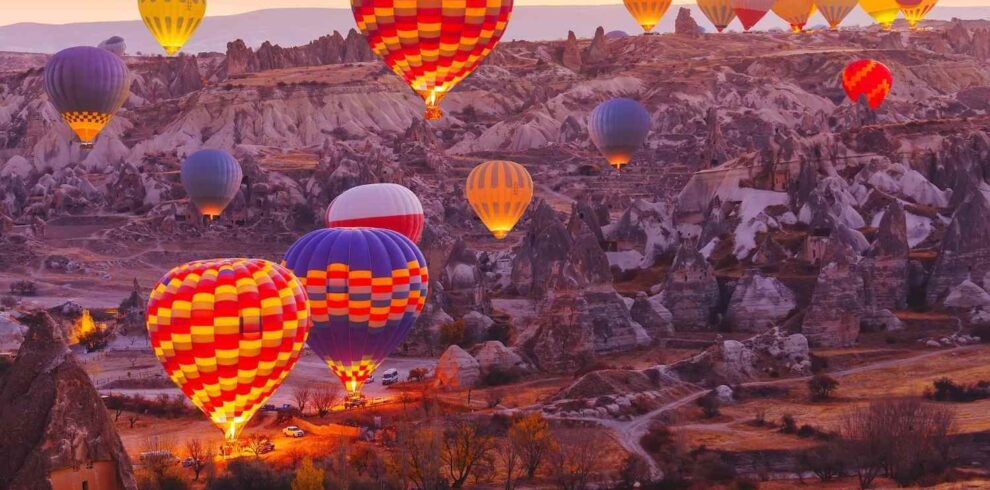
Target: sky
{"type": "Point", "coordinates": [69, 11]}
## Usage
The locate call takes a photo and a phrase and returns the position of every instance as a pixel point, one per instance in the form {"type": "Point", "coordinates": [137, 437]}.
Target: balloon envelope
{"type": "Point", "coordinates": [228, 331]}
{"type": "Point", "coordinates": [794, 12]}
{"type": "Point", "coordinates": [366, 287]}
{"type": "Point", "coordinates": [751, 11]}
{"type": "Point", "coordinates": [835, 11]}
{"type": "Point", "coordinates": [211, 178]}
{"type": "Point", "coordinates": [884, 12]}
{"type": "Point", "coordinates": [647, 12]}
{"type": "Point", "coordinates": [618, 127]}
{"type": "Point", "coordinates": [867, 78]}
{"type": "Point", "coordinates": [499, 192]}
{"type": "Point", "coordinates": [432, 44]}
{"type": "Point", "coordinates": [916, 10]}
{"type": "Point", "coordinates": [719, 12]}
{"type": "Point", "coordinates": [172, 22]}
{"type": "Point", "coordinates": [389, 206]}
{"type": "Point", "coordinates": [87, 86]}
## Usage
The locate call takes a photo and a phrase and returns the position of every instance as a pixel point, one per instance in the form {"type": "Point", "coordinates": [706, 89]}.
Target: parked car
{"type": "Point", "coordinates": [371, 379]}
{"type": "Point", "coordinates": [160, 456]}
{"type": "Point", "coordinates": [188, 462]}
{"type": "Point", "coordinates": [268, 408]}
{"type": "Point", "coordinates": [390, 376]}
{"type": "Point", "coordinates": [266, 447]}
{"type": "Point", "coordinates": [293, 431]}
{"type": "Point", "coordinates": [284, 408]}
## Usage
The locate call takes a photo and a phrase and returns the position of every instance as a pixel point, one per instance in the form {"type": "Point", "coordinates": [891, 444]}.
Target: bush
{"type": "Point", "coordinates": [826, 461]}
{"type": "Point", "coordinates": [250, 474]}
{"type": "Point", "coordinates": [821, 387]}
{"type": "Point", "coordinates": [23, 288]}
{"type": "Point", "coordinates": [418, 374]}
{"type": "Point", "coordinates": [711, 467]}
{"type": "Point", "coordinates": [788, 424]}
{"type": "Point", "coordinates": [946, 390]}
{"type": "Point", "coordinates": [452, 333]}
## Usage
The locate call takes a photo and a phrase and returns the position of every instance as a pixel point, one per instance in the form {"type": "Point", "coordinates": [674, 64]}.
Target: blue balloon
{"type": "Point", "coordinates": [211, 178]}
{"type": "Point", "coordinates": [618, 127]}
{"type": "Point", "coordinates": [87, 86]}
{"type": "Point", "coordinates": [366, 288]}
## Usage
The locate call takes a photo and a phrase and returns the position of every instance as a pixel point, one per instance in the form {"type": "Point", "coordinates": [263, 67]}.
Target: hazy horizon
{"type": "Point", "coordinates": [68, 12]}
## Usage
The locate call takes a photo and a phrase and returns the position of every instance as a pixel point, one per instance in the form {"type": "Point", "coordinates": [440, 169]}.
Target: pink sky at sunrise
{"type": "Point", "coordinates": [70, 11]}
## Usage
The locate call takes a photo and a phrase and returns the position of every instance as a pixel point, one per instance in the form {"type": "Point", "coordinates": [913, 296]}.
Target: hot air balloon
{"type": "Point", "coordinates": [499, 192]}
{"type": "Point", "coordinates": [366, 288]}
{"type": "Point", "coordinates": [647, 12]}
{"type": "Point", "coordinates": [794, 12]}
{"type": "Point", "coordinates": [719, 12]}
{"type": "Point", "coordinates": [389, 206]}
{"type": "Point", "coordinates": [211, 178]}
{"type": "Point", "coordinates": [618, 127]}
{"type": "Point", "coordinates": [916, 10]}
{"type": "Point", "coordinates": [835, 11]}
{"type": "Point", "coordinates": [432, 44]}
{"type": "Point", "coordinates": [867, 78]}
{"type": "Point", "coordinates": [228, 331]}
{"type": "Point", "coordinates": [884, 12]}
{"type": "Point", "coordinates": [172, 22]}
{"type": "Point", "coordinates": [87, 86]}
{"type": "Point", "coordinates": [751, 11]}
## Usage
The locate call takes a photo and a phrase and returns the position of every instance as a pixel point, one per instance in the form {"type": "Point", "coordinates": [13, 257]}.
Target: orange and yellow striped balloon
{"type": "Point", "coordinates": [719, 12]}
{"type": "Point", "coordinates": [795, 12]}
{"type": "Point", "coordinates": [499, 192]}
{"type": "Point", "coordinates": [432, 44]}
{"type": "Point", "coordinates": [228, 331]}
{"type": "Point", "coordinates": [647, 12]}
{"type": "Point", "coordinates": [172, 22]}
{"type": "Point", "coordinates": [835, 11]}
{"type": "Point", "coordinates": [916, 10]}
{"type": "Point", "coordinates": [884, 12]}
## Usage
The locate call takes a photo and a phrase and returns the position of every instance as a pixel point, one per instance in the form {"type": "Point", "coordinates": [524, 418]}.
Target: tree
{"type": "Point", "coordinates": [533, 440]}
{"type": "Point", "coordinates": [308, 477]}
{"type": "Point", "coordinates": [255, 444]}
{"type": "Point", "coordinates": [302, 395]}
{"type": "Point", "coordinates": [576, 460]}
{"type": "Point", "coordinates": [821, 387]}
{"type": "Point", "coordinates": [709, 404]}
{"type": "Point", "coordinates": [827, 461]}
{"type": "Point", "coordinates": [249, 474]}
{"type": "Point", "coordinates": [904, 438]}
{"type": "Point", "coordinates": [508, 455]}
{"type": "Point", "coordinates": [325, 396]}
{"type": "Point", "coordinates": [464, 450]}
{"type": "Point", "coordinates": [452, 333]}
{"type": "Point", "coordinates": [132, 419]}
{"type": "Point", "coordinates": [419, 454]}
{"type": "Point", "coordinates": [493, 398]}
{"type": "Point", "coordinates": [200, 455]}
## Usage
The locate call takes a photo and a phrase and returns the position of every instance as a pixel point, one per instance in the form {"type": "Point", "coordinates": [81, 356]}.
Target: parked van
{"type": "Point", "coordinates": [390, 376]}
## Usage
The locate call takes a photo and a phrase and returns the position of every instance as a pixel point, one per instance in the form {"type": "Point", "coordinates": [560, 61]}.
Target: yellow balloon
{"type": "Point", "coordinates": [835, 11]}
{"type": "Point", "coordinates": [647, 12]}
{"type": "Point", "coordinates": [794, 12]}
{"type": "Point", "coordinates": [499, 193]}
{"type": "Point", "coordinates": [719, 12]}
{"type": "Point", "coordinates": [172, 22]}
{"type": "Point", "coordinates": [916, 10]}
{"type": "Point", "coordinates": [884, 12]}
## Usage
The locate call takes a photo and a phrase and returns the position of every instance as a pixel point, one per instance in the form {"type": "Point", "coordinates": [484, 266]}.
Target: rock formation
{"type": "Point", "coordinates": [494, 356]}
{"type": "Point", "coordinates": [691, 291]}
{"type": "Point", "coordinates": [648, 226]}
{"type": "Point", "coordinates": [685, 25]}
{"type": "Point", "coordinates": [652, 315]}
{"type": "Point", "coordinates": [571, 55]}
{"type": "Point", "coordinates": [886, 269]}
{"type": "Point", "coordinates": [330, 49]}
{"type": "Point", "coordinates": [115, 45]}
{"type": "Point", "coordinates": [53, 421]}
{"type": "Point", "coordinates": [462, 282]}
{"type": "Point", "coordinates": [965, 250]}
{"type": "Point", "coordinates": [457, 369]}
{"type": "Point", "coordinates": [731, 361]}
{"type": "Point", "coordinates": [597, 51]}
{"type": "Point", "coordinates": [759, 302]}
{"type": "Point", "coordinates": [833, 317]}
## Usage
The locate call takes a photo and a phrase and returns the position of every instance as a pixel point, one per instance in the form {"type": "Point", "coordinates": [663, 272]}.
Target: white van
{"type": "Point", "coordinates": [390, 376]}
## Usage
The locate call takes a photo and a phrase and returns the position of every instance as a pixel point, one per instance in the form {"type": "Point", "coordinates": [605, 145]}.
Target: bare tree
{"type": "Point", "coordinates": [464, 449]}
{"type": "Point", "coordinates": [199, 455]}
{"type": "Point", "coordinates": [132, 419]}
{"type": "Point", "coordinates": [302, 395]}
{"type": "Point", "coordinates": [576, 460]}
{"type": "Point", "coordinates": [256, 444]}
{"type": "Point", "coordinates": [508, 455]}
{"type": "Point", "coordinates": [493, 398]}
{"type": "Point", "coordinates": [903, 438]}
{"type": "Point", "coordinates": [419, 456]}
{"type": "Point", "coordinates": [325, 396]}
{"type": "Point", "coordinates": [159, 454]}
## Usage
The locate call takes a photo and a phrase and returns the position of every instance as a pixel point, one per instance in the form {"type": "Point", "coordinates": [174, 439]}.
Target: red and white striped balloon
{"type": "Point", "coordinates": [389, 206]}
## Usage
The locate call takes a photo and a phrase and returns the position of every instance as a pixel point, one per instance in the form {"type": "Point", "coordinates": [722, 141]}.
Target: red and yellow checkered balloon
{"type": "Point", "coordinates": [228, 331]}
{"type": "Point", "coordinates": [432, 44]}
{"type": "Point", "coordinates": [867, 78]}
